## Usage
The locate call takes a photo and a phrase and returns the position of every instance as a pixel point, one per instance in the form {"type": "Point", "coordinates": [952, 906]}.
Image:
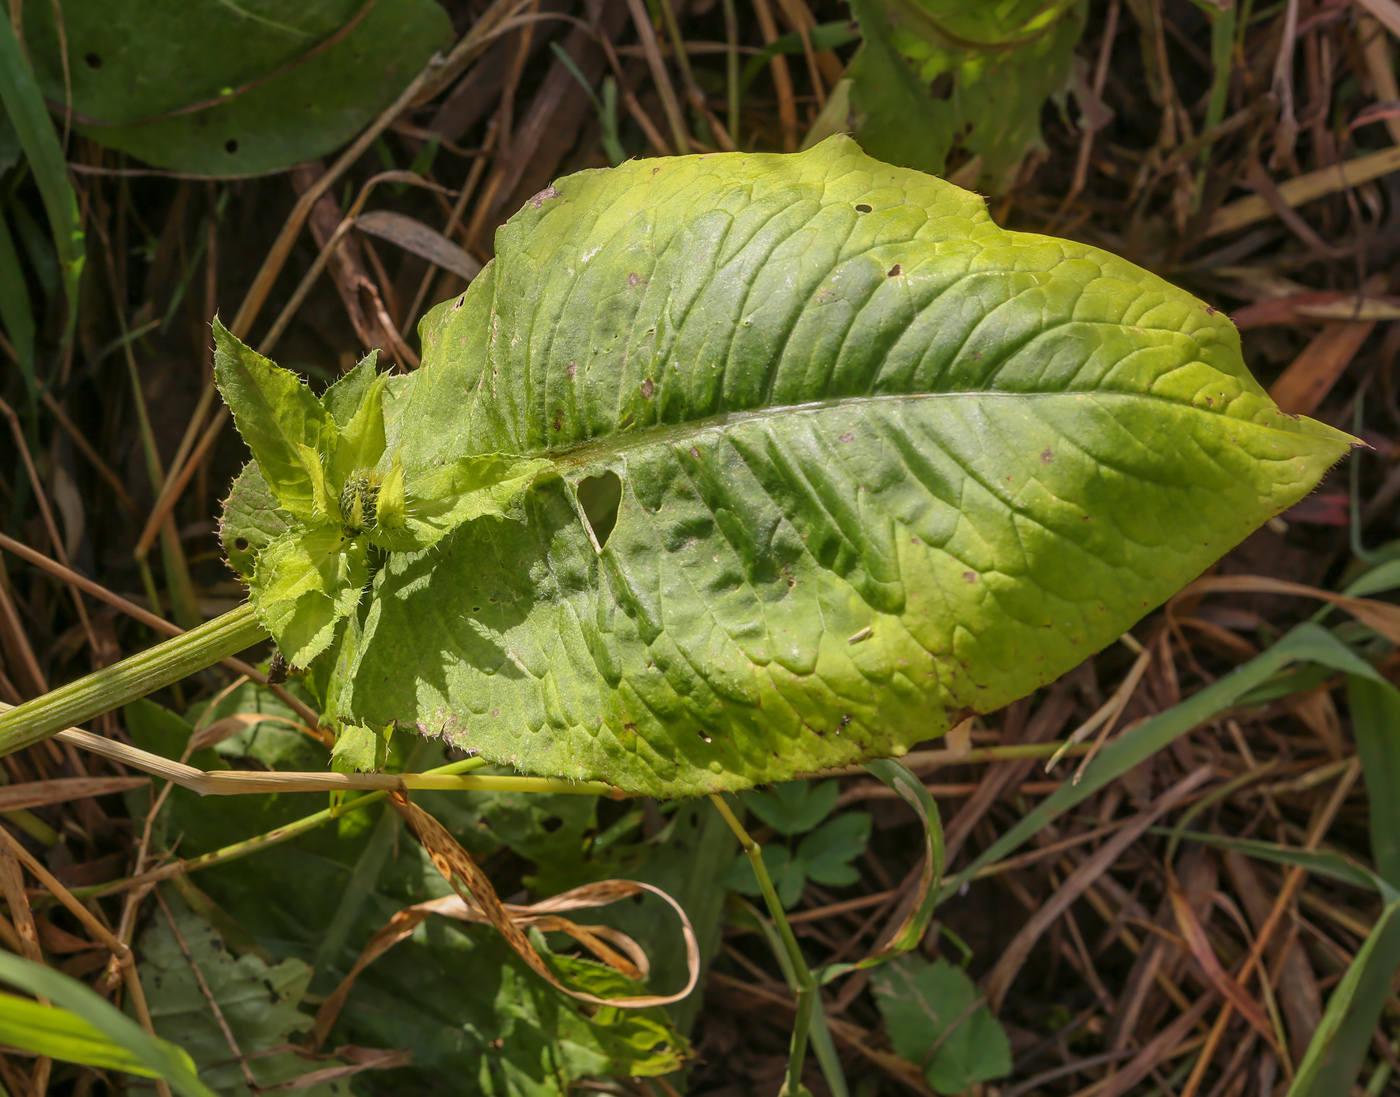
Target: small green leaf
{"type": "Point", "coordinates": [22, 100]}
{"type": "Point", "coordinates": [251, 520]}
{"type": "Point", "coordinates": [361, 442]}
{"type": "Point", "coordinates": [276, 414]}
{"type": "Point", "coordinates": [794, 807]}
{"type": "Point", "coordinates": [324, 497]}
{"type": "Point", "coordinates": [637, 1042]}
{"type": "Point", "coordinates": [304, 584]}
{"type": "Point", "coordinates": [935, 75]}
{"type": "Point", "coordinates": [826, 854]}
{"type": "Point", "coordinates": [431, 505]}
{"type": "Point", "coordinates": [359, 749]}
{"type": "Point", "coordinates": [921, 1002]}
{"type": "Point", "coordinates": [346, 395]}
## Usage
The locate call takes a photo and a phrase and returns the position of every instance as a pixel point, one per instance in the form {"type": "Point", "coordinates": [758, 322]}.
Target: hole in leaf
{"type": "Point", "coordinates": [550, 825]}
{"type": "Point", "coordinates": [599, 497]}
{"type": "Point", "coordinates": [942, 86]}
{"type": "Point", "coordinates": [241, 544]}
{"type": "Point", "coordinates": [231, 146]}
{"type": "Point", "coordinates": [862, 207]}
{"type": "Point", "coordinates": [93, 60]}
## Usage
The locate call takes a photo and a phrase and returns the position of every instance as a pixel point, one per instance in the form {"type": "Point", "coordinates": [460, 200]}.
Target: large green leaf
{"type": "Point", "coordinates": [214, 87]}
{"type": "Point", "coordinates": [834, 462]}
{"type": "Point", "coordinates": [937, 75]}
{"type": "Point", "coordinates": [257, 1002]}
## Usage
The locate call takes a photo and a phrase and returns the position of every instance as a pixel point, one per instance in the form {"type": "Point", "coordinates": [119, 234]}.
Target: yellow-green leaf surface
{"type": "Point", "coordinates": [835, 461]}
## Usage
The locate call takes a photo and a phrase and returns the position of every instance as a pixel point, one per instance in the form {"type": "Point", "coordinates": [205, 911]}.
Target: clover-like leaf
{"type": "Point", "coordinates": [826, 854]}
{"type": "Point", "coordinates": [785, 870]}
{"type": "Point", "coordinates": [794, 807]}
{"type": "Point", "coordinates": [933, 1019]}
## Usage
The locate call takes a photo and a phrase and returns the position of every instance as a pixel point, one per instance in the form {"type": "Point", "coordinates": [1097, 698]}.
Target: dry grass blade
{"type": "Point", "coordinates": [35, 794]}
{"type": "Point", "coordinates": [998, 982]}
{"type": "Point", "coordinates": [418, 238]}
{"type": "Point", "coordinates": [361, 1059]}
{"type": "Point", "coordinates": [1194, 935]}
{"type": "Point", "coordinates": [1305, 188]}
{"type": "Point", "coordinates": [1384, 617]}
{"type": "Point", "coordinates": [461, 871]}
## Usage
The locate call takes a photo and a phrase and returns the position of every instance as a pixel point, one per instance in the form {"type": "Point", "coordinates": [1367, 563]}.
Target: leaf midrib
{"type": "Point", "coordinates": [596, 449]}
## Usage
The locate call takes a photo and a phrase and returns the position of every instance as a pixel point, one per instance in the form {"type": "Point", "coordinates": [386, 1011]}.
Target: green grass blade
{"type": "Point", "coordinates": [1306, 643]}
{"type": "Point", "coordinates": [159, 1058]}
{"type": "Point", "coordinates": [16, 310]}
{"type": "Point", "coordinates": [24, 103]}
{"type": "Point", "coordinates": [1375, 719]}
{"type": "Point", "coordinates": [1323, 862]}
{"type": "Point", "coordinates": [1339, 1047]}
{"type": "Point", "coordinates": [911, 931]}
{"type": "Point", "coordinates": [824, 37]}
{"type": "Point", "coordinates": [62, 1034]}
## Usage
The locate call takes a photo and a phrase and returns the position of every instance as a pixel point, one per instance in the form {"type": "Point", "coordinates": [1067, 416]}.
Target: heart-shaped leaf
{"type": "Point", "coordinates": [832, 462]}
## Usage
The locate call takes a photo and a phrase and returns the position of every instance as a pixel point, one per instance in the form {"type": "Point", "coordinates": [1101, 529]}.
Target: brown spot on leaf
{"type": "Point", "coordinates": [570, 370]}
{"type": "Point", "coordinates": [632, 279]}
{"type": "Point", "coordinates": [1047, 455]}
{"type": "Point", "coordinates": [970, 576]}
{"type": "Point", "coordinates": [695, 453]}
{"type": "Point", "coordinates": [894, 271]}
{"type": "Point", "coordinates": [545, 195]}
{"type": "Point", "coordinates": [648, 389]}
{"type": "Point", "coordinates": [559, 419]}
{"type": "Point", "coordinates": [849, 436]}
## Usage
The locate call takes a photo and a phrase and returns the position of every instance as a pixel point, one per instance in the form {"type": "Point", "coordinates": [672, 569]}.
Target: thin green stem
{"type": "Point", "coordinates": [143, 673]}
{"type": "Point", "coordinates": [731, 35]}
{"type": "Point", "coordinates": [266, 840]}
{"type": "Point", "coordinates": [802, 974]}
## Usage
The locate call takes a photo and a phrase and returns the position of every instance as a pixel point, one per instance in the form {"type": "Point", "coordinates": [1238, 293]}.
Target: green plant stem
{"type": "Point", "coordinates": [731, 35]}
{"type": "Point", "coordinates": [273, 837]}
{"type": "Point", "coordinates": [143, 673]}
{"type": "Point", "coordinates": [802, 974]}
